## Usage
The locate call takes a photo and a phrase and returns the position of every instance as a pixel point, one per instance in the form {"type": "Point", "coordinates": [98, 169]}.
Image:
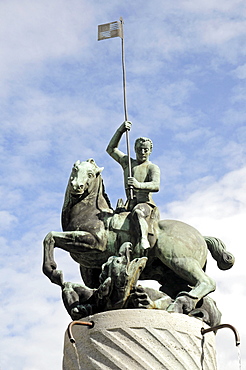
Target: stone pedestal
{"type": "Point", "coordinates": [140, 339]}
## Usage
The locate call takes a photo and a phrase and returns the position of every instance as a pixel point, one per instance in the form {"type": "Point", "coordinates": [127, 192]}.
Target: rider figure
{"type": "Point", "coordinates": [145, 180]}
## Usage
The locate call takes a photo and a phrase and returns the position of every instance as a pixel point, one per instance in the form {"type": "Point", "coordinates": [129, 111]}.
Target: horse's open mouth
{"type": "Point", "coordinates": [79, 193]}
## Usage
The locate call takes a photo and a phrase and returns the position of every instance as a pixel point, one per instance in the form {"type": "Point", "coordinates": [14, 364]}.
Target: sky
{"type": "Point", "coordinates": [61, 100]}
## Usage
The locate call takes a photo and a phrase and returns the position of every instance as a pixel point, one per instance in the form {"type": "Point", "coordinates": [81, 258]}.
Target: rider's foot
{"type": "Point", "coordinates": [144, 244]}
{"type": "Point", "coordinates": [144, 247]}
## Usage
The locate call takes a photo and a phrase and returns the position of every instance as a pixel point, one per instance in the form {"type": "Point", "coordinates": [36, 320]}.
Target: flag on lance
{"type": "Point", "coordinates": [109, 30]}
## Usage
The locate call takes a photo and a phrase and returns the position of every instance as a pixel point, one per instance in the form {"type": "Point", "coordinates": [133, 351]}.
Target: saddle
{"type": "Point", "coordinates": [122, 220]}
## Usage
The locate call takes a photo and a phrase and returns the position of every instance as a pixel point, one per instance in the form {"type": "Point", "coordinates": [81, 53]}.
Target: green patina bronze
{"type": "Point", "coordinates": [113, 247]}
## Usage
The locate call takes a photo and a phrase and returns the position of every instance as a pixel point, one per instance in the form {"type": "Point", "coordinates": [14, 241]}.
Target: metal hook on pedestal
{"type": "Point", "coordinates": [237, 338]}
{"type": "Point", "coordinates": [90, 324]}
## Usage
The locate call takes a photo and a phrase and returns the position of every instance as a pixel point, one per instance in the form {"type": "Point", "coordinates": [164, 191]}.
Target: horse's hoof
{"type": "Point", "coordinates": [81, 311]}
{"type": "Point", "coordinates": [175, 307]}
{"type": "Point", "coordinates": [201, 314]}
{"type": "Point", "coordinates": [182, 304]}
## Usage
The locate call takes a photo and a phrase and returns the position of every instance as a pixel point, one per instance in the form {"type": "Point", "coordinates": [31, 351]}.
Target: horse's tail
{"type": "Point", "coordinates": [225, 260]}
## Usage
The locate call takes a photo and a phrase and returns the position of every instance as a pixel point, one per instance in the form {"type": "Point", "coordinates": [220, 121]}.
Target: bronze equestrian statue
{"type": "Point", "coordinates": [93, 232]}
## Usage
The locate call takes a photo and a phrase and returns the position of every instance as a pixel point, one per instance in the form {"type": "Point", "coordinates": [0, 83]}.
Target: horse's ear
{"type": "Point", "coordinates": [100, 169]}
{"type": "Point", "coordinates": [77, 163]}
{"type": "Point", "coordinates": [91, 160]}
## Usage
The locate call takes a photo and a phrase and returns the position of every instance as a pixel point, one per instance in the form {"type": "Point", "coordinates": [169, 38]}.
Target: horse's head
{"type": "Point", "coordinates": [83, 176]}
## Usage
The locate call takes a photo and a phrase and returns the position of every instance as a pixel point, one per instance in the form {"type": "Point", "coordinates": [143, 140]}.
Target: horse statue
{"type": "Point", "coordinates": [93, 232]}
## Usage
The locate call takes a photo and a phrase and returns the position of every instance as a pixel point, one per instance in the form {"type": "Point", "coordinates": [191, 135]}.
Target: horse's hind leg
{"type": "Point", "coordinates": [202, 285]}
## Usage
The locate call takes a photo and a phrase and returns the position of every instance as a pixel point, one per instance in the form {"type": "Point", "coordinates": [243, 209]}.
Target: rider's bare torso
{"type": "Point", "coordinates": [147, 173]}
{"type": "Point", "coordinates": [144, 180]}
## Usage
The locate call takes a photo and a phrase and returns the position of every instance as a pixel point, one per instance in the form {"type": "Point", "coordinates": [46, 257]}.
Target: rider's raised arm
{"type": "Point", "coordinates": [112, 148]}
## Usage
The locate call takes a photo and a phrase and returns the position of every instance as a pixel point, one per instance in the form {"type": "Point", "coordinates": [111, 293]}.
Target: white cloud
{"type": "Point", "coordinates": [7, 220]}
{"type": "Point", "coordinates": [210, 6]}
{"type": "Point", "coordinates": [219, 31]}
{"type": "Point", "coordinates": [219, 210]}
{"type": "Point", "coordinates": [240, 72]}
{"type": "Point", "coordinates": [36, 31]}
{"type": "Point", "coordinates": [225, 198]}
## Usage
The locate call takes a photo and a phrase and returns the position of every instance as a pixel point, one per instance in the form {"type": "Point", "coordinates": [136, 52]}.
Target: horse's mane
{"type": "Point", "coordinates": [101, 188]}
{"type": "Point", "coordinates": [105, 195]}
{"type": "Point", "coordinates": [67, 205]}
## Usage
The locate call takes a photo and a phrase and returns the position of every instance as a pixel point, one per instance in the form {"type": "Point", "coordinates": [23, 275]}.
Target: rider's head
{"type": "Point", "coordinates": [143, 148]}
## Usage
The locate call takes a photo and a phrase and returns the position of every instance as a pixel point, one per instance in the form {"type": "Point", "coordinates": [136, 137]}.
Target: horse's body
{"type": "Point", "coordinates": [93, 232]}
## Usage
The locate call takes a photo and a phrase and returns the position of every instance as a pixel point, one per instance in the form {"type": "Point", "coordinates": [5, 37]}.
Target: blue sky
{"type": "Point", "coordinates": [61, 100]}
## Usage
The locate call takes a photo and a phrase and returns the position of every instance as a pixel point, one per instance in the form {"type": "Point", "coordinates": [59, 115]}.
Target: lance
{"type": "Point", "coordinates": [107, 31]}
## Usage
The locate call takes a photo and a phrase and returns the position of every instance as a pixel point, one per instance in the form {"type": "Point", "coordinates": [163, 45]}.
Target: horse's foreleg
{"type": "Point", "coordinates": [49, 264]}
{"type": "Point", "coordinates": [74, 242]}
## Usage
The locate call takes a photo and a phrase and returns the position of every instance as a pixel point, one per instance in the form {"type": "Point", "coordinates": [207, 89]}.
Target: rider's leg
{"type": "Point", "coordinates": [140, 214]}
